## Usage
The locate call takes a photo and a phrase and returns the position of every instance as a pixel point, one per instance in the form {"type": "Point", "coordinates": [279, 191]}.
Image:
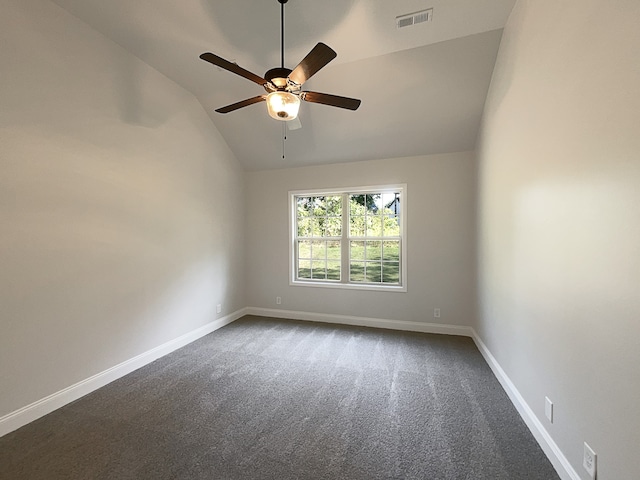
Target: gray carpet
{"type": "Point", "coordinates": [280, 399]}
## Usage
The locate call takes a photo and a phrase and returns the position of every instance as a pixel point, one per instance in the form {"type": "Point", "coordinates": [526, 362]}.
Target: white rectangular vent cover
{"type": "Point", "coordinates": [410, 19]}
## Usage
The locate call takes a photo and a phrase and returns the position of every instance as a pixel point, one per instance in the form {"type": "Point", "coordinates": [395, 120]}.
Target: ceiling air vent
{"type": "Point", "coordinates": [410, 19]}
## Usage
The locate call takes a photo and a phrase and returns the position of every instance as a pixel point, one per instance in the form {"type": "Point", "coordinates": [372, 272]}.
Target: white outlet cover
{"type": "Point", "coordinates": [219, 308]}
{"type": "Point", "coordinates": [548, 409]}
{"type": "Point", "coordinates": [589, 461]}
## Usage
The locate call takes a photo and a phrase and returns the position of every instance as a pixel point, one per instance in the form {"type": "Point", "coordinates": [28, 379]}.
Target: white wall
{"type": "Point", "coordinates": [559, 222]}
{"type": "Point", "coordinates": [440, 243]}
{"type": "Point", "coordinates": [120, 206]}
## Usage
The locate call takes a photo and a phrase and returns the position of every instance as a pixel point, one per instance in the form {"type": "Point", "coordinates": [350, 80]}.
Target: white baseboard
{"type": "Point", "coordinates": [363, 321]}
{"type": "Point", "coordinates": [40, 408]}
{"type": "Point", "coordinates": [550, 448]}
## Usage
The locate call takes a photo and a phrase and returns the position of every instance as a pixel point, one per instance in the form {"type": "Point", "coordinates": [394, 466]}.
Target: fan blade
{"type": "Point", "coordinates": [232, 67]}
{"type": "Point", "coordinates": [332, 100]}
{"type": "Point", "coordinates": [317, 58]}
{"type": "Point", "coordinates": [243, 103]}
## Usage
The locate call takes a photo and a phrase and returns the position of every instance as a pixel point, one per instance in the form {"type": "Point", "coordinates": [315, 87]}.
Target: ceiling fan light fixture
{"type": "Point", "coordinates": [283, 105]}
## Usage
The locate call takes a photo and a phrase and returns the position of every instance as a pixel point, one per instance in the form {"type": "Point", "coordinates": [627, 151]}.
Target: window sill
{"type": "Point", "coordinates": [351, 286]}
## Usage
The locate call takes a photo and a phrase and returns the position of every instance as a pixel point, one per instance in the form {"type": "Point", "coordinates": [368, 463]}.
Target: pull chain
{"type": "Point", "coordinates": [284, 137]}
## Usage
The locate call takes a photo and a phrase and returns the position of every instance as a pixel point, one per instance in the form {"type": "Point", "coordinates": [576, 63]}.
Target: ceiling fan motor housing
{"type": "Point", "coordinates": [277, 77]}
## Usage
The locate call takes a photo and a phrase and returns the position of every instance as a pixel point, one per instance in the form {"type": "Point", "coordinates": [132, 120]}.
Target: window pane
{"type": "Point", "coordinates": [319, 206]}
{"type": "Point", "coordinates": [391, 272]}
{"type": "Point", "coordinates": [318, 269]}
{"type": "Point", "coordinates": [323, 226]}
{"type": "Point", "coordinates": [356, 226]}
{"type": "Point", "coordinates": [391, 203]}
{"type": "Point", "coordinates": [373, 202]}
{"type": "Point", "coordinates": [357, 204]}
{"type": "Point", "coordinates": [316, 226]}
{"type": "Point", "coordinates": [391, 250]}
{"type": "Point", "coordinates": [304, 249]}
{"type": "Point", "coordinates": [304, 206]}
{"type": "Point", "coordinates": [333, 226]}
{"type": "Point", "coordinates": [334, 205]}
{"type": "Point", "coordinates": [374, 250]}
{"type": "Point", "coordinates": [357, 251]}
{"type": "Point", "coordinates": [391, 226]}
{"type": "Point", "coordinates": [304, 269]}
{"type": "Point", "coordinates": [304, 227]}
{"type": "Point", "coordinates": [333, 271]}
{"type": "Point", "coordinates": [333, 251]}
{"type": "Point", "coordinates": [373, 272]}
{"type": "Point", "coordinates": [318, 250]}
{"type": "Point", "coordinates": [373, 226]}
{"type": "Point", "coordinates": [356, 272]}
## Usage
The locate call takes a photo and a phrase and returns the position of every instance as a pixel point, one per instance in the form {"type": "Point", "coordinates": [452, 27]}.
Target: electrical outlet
{"type": "Point", "coordinates": [589, 460]}
{"type": "Point", "coordinates": [278, 300]}
{"type": "Point", "coordinates": [219, 308]}
{"type": "Point", "coordinates": [548, 409]}
{"type": "Point", "coordinates": [436, 313]}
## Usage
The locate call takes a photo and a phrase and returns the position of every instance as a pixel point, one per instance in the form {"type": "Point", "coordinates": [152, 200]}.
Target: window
{"type": "Point", "coordinates": [351, 238]}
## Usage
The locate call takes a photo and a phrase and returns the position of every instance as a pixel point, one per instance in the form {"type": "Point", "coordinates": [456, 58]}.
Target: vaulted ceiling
{"type": "Point", "coordinates": [422, 87]}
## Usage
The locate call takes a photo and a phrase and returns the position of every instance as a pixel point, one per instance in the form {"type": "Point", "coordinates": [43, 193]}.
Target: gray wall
{"type": "Point", "coordinates": [559, 222]}
{"type": "Point", "coordinates": [120, 206]}
{"type": "Point", "coordinates": [440, 243]}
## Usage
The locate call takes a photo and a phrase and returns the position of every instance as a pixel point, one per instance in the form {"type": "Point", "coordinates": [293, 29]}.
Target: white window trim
{"type": "Point", "coordinates": [344, 284]}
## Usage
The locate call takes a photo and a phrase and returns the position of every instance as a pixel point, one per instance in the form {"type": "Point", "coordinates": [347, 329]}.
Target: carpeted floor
{"type": "Point", "coordinates": [279, 399]}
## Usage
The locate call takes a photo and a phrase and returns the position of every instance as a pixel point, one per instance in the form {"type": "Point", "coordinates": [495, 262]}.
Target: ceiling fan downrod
{"type": "Point", "coordinates": [282, 2]}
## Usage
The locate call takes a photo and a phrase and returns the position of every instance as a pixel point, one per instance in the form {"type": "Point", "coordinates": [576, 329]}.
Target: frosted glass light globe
{"type": "Point", "coordinates": [283, 105]}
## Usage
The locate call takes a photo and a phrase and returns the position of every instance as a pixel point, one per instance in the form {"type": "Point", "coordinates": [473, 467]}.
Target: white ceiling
{"type": "Point", "coordinates": [422, 88]}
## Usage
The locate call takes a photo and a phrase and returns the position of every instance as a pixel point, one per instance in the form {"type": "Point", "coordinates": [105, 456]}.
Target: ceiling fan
{"type": "Point", "coordinates": [284, 86]}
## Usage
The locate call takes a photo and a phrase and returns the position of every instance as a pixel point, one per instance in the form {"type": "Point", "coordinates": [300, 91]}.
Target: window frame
{"type": "Point", "coordinates": [345, 239]}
